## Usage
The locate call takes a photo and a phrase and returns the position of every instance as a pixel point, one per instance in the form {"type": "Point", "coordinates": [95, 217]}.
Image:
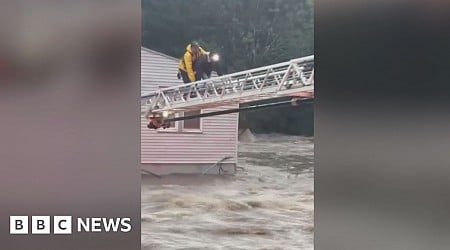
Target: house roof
{"type": "Point", "coordinates": [158, 53]}
{"type": "Point", "coordinates": [157, 70]}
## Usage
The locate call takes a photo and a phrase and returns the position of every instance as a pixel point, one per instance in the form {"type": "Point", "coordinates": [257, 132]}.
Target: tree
{"type": "Point", "coordinates": [247, 34]}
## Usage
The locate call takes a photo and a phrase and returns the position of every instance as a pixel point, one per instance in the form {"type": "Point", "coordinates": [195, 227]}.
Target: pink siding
{"type": "Point", "coordinates": [217, 139]}
{"type": "Point", "coordinates": [157, 70]}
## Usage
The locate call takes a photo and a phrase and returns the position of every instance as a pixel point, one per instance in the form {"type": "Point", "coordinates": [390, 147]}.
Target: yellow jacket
{"type": "Point", "coordinates": [188, 59]}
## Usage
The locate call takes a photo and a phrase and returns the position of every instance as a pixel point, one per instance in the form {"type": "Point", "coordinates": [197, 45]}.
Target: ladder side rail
{"type": "Point", "coordinates": [154, 99]}
{"type": "Point", "coordinates": [265, 78]}
{"type": "Point", "coordinates": [293, 73]}
{"type": "Point", "coordinates": [253, 80]}
{"type": "Point", "coordinates": [303, 75]}
{"type": "Point", "coordinates": [285, 77]}
{"type": "Point", "coordinates": [236, 98]}
{"type": "Point", "coordinates": [228, 85]}
{"type": "Point", "coordinates": [236, 74]}
{"type": "Point", "coordinates": [233, 101]}
{"type": "Point", "coordinates": [253, 93]}
{"type": "Point", "coordinates": [165, 102]}
{"type": "Point", "coordinates": [311, 78]}
{"type": "Point", "coordinates": [298, 60]}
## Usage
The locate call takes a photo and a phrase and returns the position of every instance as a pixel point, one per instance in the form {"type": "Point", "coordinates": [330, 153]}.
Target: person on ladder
{"type": "Point", "coordinates": [187, 64]}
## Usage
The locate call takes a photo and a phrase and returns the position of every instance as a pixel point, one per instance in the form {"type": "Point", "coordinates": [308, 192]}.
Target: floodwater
{"type": "Point", "coordinates": [267, 204]}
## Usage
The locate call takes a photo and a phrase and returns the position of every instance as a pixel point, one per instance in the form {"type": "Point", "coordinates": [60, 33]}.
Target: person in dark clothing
{"type": "Point", "coordinates": [188, 62]}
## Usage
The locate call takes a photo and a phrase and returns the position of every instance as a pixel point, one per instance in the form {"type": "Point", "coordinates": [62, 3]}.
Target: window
{"type": "Point", "coordinates": [192, 124]}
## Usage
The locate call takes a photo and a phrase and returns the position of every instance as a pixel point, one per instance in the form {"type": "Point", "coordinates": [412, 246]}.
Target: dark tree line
{"type": "Point", "coordinates": [247, 34]}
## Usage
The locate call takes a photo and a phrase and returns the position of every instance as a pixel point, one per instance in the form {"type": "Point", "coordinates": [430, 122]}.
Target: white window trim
{"type": "Point", "coordinates": [179, 127]}
{"type": "Point", "coordinates": [189, 130]}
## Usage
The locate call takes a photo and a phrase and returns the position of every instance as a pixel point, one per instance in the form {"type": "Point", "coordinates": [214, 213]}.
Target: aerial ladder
{"type": "Point", "coordinates": [291, 78]}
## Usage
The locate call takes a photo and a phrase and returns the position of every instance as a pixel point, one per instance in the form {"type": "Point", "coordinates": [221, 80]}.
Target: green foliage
{"type": "Point", "coordinates": [285, 119]}
{"type": "Point", "coordinates": [247, 34]}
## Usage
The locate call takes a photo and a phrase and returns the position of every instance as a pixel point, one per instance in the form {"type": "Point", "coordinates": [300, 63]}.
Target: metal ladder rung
{"type": "Point", "coordinates": [250, 85]}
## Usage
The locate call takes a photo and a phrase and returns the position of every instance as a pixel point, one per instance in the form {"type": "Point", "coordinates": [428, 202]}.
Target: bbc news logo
{"type": "Point", "coordinates": [63, 225]}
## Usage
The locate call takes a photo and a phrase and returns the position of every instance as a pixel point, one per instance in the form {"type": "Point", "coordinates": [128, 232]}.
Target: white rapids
{"type": "Point", "coordinates": [268, 204]}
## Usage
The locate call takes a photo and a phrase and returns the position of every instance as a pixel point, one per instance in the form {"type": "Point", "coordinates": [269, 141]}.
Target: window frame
{"type": "Point", "coordinates": [192, 130]}
{"type": "Point", "coordinates": [179, 127]}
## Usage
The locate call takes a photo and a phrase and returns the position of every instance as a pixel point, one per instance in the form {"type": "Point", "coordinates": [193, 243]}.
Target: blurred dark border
{"type": "Point", "coordinates": [382, 124]}
{"type": "Point", "coordinates": [69, 108]}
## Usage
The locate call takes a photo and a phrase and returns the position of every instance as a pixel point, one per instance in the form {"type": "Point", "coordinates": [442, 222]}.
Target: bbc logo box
{"type": "Point", "coordinates": [40, 225]}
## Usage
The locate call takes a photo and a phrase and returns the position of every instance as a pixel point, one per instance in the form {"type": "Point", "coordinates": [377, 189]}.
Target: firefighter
{"type": "Point", "coordinates": [187, 63]}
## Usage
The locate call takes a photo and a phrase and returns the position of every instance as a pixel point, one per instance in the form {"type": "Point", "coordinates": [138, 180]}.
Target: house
{"type": "Point", "coordinates": [190, 146]}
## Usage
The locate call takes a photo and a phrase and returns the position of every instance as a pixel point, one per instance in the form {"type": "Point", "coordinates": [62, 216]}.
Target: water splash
{"type": "Point", "coordinates": [268, 205]}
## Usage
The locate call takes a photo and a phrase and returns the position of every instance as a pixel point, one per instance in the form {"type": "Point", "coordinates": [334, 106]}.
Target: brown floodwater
{"type": "Point", "coordinates": [267, 204]}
